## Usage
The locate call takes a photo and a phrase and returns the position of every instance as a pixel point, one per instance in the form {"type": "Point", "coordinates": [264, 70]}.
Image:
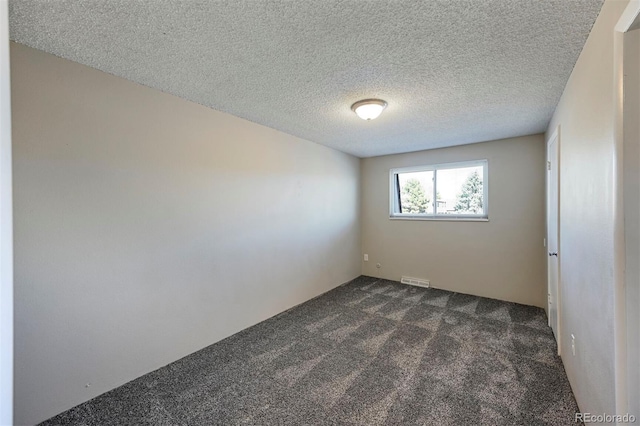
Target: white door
{"type": "Point", "coordinates": [553, 295]}
{"type": "Point", "coordinates": [6, 227]}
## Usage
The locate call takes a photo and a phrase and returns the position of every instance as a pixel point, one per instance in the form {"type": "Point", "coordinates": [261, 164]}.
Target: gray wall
{"type": "Point", "coordinates": [585, 114]}
{"type": "Point", "coordinates": [148, 227]}
{"type": "Point", "coordinates": [631, 196]}
{"type": "Point", "coordinates": [503, 258]}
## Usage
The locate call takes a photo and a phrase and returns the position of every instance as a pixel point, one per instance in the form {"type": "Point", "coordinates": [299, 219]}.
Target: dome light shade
{"type": "Point", "coordinates": [369, 109]}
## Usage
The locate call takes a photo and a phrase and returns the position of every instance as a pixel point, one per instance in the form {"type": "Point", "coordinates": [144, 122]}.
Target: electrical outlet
{"type": "Point", "coordinates": [378, 265]}
{"type": "Point", "coordinates": [366, 257]}
{"type": "Point", "coordinates": [573, 345]}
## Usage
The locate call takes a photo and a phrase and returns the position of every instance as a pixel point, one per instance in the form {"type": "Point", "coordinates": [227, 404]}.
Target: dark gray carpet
{"type": "Point", "coordinates": [371, 352]}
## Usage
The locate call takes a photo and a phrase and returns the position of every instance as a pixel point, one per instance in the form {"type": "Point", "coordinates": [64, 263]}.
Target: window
{"type": "Point", "coordinates": [440, 191]}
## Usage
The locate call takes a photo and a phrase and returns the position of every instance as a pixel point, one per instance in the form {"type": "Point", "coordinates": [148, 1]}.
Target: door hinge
{"type": "Point", "coordinates": [548, 165]}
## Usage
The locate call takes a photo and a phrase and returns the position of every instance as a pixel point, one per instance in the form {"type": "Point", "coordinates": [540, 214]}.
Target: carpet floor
{"type": "Point", "coordinates": [370, 352]}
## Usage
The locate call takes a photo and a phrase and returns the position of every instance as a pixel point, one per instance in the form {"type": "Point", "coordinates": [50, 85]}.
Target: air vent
{"type": "Point", "coordinates": [418, 282]}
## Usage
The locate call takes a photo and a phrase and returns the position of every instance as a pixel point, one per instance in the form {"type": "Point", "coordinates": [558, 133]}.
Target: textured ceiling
{"type": "Point", "coordinates": [452, 71]}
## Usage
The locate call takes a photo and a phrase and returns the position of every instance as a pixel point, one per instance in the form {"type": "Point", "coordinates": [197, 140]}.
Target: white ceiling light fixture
{"type": "Point", "coordinates": [369, 109]}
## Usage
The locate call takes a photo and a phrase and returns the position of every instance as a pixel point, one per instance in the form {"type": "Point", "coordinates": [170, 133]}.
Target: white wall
{"type": "Point", "coordinates": [6, 227]}
{"type": "Point", "coordinates": [631, 158]}
{"type": "Point", "coordinates": [502, 259]}
{"type": "Point", "coordinates": [586, 115]}
{"type": "Point", "coordinates": [148, 227]}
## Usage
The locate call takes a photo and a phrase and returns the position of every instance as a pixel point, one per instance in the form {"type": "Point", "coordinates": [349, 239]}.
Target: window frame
{"type": "Point", "coordinates": [394, 192]}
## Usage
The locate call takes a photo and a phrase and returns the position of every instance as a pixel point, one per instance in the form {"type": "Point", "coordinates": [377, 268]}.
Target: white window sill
{"type": "Point", "coordinates": [441, 218]}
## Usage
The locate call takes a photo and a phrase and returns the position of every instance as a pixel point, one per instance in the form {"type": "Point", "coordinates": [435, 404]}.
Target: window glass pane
{"type": "Point", "coordinates": [416, 192]}
{"type": "Point", "coordinates": [460, 191]}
